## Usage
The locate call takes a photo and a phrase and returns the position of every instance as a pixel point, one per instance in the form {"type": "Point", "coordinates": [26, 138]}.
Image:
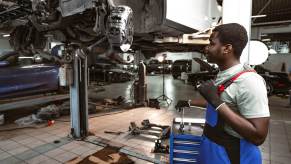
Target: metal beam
{"type": "Point", "coordinates": [271, 23]}
{"type": "Point", "coordinates": [262, 9]}
{"type": "Point", "coordinates": [274, 29]}
{"type": "Point", "coordinates": [32, 102]}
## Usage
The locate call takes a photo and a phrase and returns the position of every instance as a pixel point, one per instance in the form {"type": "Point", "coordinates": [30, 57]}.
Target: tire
{"type": "Point", "coordinates": [269, 88]}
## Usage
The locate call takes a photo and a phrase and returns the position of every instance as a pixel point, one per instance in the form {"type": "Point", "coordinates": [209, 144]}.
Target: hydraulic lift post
{"type": "Point", "coordinates": [79, 96]}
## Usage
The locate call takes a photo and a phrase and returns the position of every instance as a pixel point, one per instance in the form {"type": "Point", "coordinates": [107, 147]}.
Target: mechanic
{"type": "Point", "coordinates": [237, 115]}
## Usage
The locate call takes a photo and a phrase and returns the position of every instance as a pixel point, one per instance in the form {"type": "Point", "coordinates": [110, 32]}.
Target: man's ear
{"type": "Point", "coordinates": [227, 49]}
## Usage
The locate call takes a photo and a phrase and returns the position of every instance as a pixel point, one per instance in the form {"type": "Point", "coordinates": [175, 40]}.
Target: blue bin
{"type": "Point", "coordinates": [184, 148]}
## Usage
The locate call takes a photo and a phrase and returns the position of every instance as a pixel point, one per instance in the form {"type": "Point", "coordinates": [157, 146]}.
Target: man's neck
{"type": "Point", "coordinates": [228, 64]}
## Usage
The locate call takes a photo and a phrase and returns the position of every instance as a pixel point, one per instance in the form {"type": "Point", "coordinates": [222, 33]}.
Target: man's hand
{"type": "Point", "coordinates": [209, 91]}
{"type": "Point", "coordinates": [182, 104]}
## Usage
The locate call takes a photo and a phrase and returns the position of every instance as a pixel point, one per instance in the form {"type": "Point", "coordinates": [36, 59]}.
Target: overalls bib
{"type": "Point", "coordinates": [218, 147]}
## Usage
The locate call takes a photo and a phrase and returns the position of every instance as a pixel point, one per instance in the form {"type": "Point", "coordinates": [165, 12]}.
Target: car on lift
{"type": "Point", "coordinates": [106, 71]}
{"type": "Point", "coordinates": [180, 66]}
{"type": "Point", "coordinates": [276, 82]}
{"type": "Point", "coordinates": [104, 24]}
{"type": "Point", "coordinates": [25, 75]}
{"type": "Point", "coordinates": [207, 72]}
{"type": "Point", "coordinates": [155, 66]}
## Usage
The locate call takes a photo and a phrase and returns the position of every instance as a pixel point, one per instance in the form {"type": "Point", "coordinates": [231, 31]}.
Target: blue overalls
{"type": "Point", "coordinates": [218, 147]}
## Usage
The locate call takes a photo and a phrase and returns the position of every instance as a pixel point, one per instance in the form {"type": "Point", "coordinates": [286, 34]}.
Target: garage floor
{"type": "Point", "coordinates": [37, 145]}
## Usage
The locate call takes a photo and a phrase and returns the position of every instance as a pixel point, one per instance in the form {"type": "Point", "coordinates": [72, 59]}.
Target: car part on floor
{"type": "Point", "coordinates": [49, 112]}
{"type": "Point", "coordinates": [160, 133]}
{"type": "Point", "coordinates": [147, 125]}
{"type": "Point", "coordinates": [28, 120]}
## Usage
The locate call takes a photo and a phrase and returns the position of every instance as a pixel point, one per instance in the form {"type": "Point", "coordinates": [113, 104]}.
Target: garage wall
{"type": "Point", "coordinates": [274, 62]}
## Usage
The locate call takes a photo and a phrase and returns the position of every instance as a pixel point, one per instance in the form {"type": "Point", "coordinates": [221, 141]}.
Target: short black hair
{"type": "Point", "coordinates": [234, 34]}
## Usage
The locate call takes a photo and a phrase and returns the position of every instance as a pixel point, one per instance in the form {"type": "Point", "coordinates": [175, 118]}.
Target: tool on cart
{"type": "Point", "coordinates": [184, 148]}
{"type": "Point", "coordinates": [190, 121]}
{"type": "Point", "coordinates": [181, 110]}
{"type": "Point", "coordinates": [160, 147]}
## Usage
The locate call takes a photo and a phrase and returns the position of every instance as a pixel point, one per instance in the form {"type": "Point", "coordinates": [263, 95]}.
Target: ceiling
{"type": "Point", "coordinates": [277, 11]}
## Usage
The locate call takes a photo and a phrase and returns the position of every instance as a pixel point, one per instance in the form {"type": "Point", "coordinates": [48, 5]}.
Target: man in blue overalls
{"type": "Point", "coordinates": [237, 115]}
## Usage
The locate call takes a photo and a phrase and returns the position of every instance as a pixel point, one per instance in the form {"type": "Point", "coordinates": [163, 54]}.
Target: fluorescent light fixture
{"type": "Point", "coordinates": [125, 47]}
{"type": "Point", "coordinates": [259, 16]}
{"type": "Point", "coordinates": [6, 35]}
{"type": "Point", "coordinates": [160, 58]}
{"type": "Point", "coordinates": [266, 40]}
{"type": "Point", "coordinates": [25, 57]}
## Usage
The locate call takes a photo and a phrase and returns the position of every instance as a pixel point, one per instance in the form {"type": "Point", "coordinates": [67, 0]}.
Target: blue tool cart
{"type": "Point", "coordinates": [184, 142]}
{"type": "Point", "coordinates": [184, 148]}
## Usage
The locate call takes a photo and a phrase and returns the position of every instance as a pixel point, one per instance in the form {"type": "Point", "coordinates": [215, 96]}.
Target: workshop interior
{"type": "Point", "coordinates": [116, 81]}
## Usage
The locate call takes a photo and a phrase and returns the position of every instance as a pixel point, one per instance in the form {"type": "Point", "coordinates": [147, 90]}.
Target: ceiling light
{"type": "Point", "coordinates": [259, 16]}
{"type": "Point", "coordinates": [6, 35]}
{"type": "Point", "coordinates": [125, 47]}
{"type": "Point", "coordinates": [161, 58]}
{"type": "Point", "coordinates": [266, 40]}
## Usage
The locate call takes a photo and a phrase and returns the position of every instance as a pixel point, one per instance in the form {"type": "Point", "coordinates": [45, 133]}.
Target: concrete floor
{"type": "Point", "coordinates": [36, 145]}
